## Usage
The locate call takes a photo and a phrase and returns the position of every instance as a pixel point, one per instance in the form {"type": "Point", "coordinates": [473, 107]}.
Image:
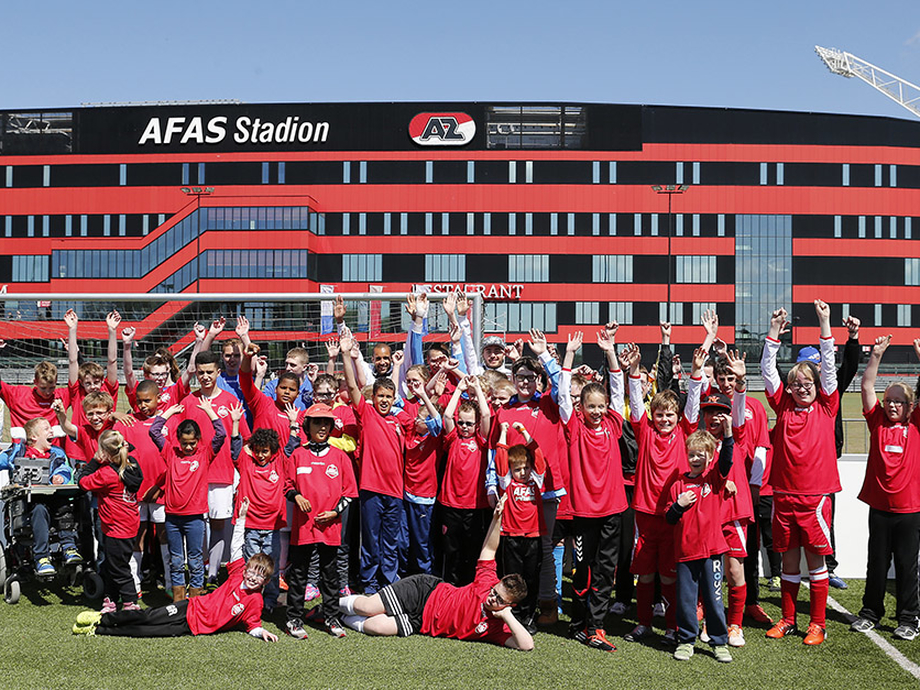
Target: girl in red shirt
{"type": "Point", "coordinates": [114, 477]}
{"type": "Point", "coordinates": [892, 490]}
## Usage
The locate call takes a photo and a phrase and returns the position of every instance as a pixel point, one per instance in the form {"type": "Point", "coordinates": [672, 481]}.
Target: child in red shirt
{"type": "Point", "coordinates": [114, 477]}
{"type": "Point", "coordinates": [237, 602]}
{"type": "Point", "coordinates": [464, 504]}
{"type": "Point", "coordinates": [804, 471]}
{"type": "Point", "coordinates": [29, 402]}
{"type": "Point", "coordinates": [695, 508]}
{"type": "Point", "coordinates": [892, 491]}
{"type": "Point", "coordinates": [318, 481]}
{"type": "Point", "coordinates": [595, 487]}
{"type": "Point", "coordinates": [661, 438]}
{"type": "Point", "coordinates": [520, 471]}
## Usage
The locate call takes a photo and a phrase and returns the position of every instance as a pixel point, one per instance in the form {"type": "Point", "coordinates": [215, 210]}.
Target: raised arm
{"type": "Point", "coordinates": [469, 349]}
{"type": "Point", "coordinates": [779, 324]}
{"type": "Point", "coordinates": [354, 391]}
{"type": "Point", "coordinates": [629, 360]}
{"type": "Point", "coordinates": [73, 350]}
{"type": "Point", "coordinates": [490, 545]}
{"type": "Point", "coordinates": [869, 398]}
{"type": "Point", "coordinates": [711, 324]}
{"type": "Point", "coordinates": [695, 388]}
{"type": "Point", "coordinates": [738, 367]}
{"type": "Point", "coordinates": [451, 409]}
{"type": "Point", "coordinates": [69, 428]}
{"type": "Point", "coordinates": [606, 341]}
{"type": "Point", "coordinates": [112, 321]}
{"type": "Point", "coordinates": [828, 363]}
{"type": "Point", "coordinates": [127, 359]}
{"type": "Point", "coordinates": [216, 328]}
{"type": "Point", "coordinates": [566, 408]}
{"type": "Point", "coordinates": [849, 364]}
{"type": "Point", "coordinates": [485, 412]}
{"type": "Point", "coordinates": [242, 330]}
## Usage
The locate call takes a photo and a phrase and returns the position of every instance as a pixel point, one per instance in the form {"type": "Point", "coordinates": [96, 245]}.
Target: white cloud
{"type": "Point", "coordinates": [913, 39]}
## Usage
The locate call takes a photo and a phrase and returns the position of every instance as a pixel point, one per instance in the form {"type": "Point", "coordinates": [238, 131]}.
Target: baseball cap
{"type": "Point", "coordinates": [319, 411]}
{"type": "Point", "coordinates": [493, 340]}
{"type": "Point", "coordinates": [716, 400]}
{"type": "Point", "coordinates": [809, 354]}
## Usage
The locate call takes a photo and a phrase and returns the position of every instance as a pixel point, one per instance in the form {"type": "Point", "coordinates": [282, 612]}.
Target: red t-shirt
{"type": "Point", "coordinates": [596, 486]}
{"type": "Point", "coordinates": [77, 393]}
{"type": "Point", "coordinates": [187, 479]}
{"type": "Point", "coordinates": [892, 480]}
{"type": "Point", "coordinates": [88, 439]}
{"type": "Point", "coordinates": [804, 450]}
{"type": "Point", "coordinates": [464, 483]}
{"type": "Point", "coordinates": [229, 606]}
{"type": "Point", "coordinates": [541, 419]}
{"type": "Point", "coordinates": [738, 506]}
{"type": "Point", "coordinates": [421, 467]}
{"type": "Point", "coordinates": [117, 506]}
{"type": "Point", "coordinates": [698, 533]}
{"type": "Point", "coordinates": [25, 404]}
{"type": "Point", "coordinates": [263, 485]}
{"type": "Point", "coordinates": [383, 446]}
{"type": "Point", "coordinates": [323, 480]}
{"type": "Point", "coordinates": [661, 459]}
{"type": "Point", "coordinates": [756, 435]}
{"type": "Point", "coordinates": [523, 514]}
{"type": "Point", "coordinates": [457, 612]}
{"type": "Point", "coordinates": [220, 470]}
{"type": "Point", "coordinates": [265, 411]}
{"type": "Point", "coordinates": [145, 452]}
{"type": "Point", "coordinates": [168, 397]}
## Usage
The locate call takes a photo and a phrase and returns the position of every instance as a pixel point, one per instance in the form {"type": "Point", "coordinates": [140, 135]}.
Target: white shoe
{"type": "Point", "coordinates": [735, 636]}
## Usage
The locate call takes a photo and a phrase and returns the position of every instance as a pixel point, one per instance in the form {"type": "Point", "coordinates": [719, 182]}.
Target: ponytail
{"type": "Point", "coordinates": [115, 448]}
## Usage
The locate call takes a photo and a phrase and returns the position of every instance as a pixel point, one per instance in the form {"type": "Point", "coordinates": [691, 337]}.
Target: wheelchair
{"type": "Point", "coordinates": [29, 483]}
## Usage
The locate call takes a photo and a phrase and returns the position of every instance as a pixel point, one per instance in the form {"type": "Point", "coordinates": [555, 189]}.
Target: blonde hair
{"type": "Point", "coordinates": [808, 368]}
{"type": "Point", "coordinates": [46, 372]}
{"type": "Point", "coordinates": [702, 440]}
{"type": "Point", "coordinates": [115, 448]}
{"type": "Point", "coordinates": [906, 390]}
{"type": "Point", "coordinates": [665, 400]}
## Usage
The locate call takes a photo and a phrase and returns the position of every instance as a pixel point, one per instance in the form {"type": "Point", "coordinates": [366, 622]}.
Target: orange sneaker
{"type": "Point", "coordinates": [781, 629]}
{"type": "Point", "coordinates": [282, 585]}
{"type": "Point", "coordinates": [757, 614]}
{"type": "Point", "coordinates": [599, 641]}
{"type": "Point", "coordinates": [815, 634]}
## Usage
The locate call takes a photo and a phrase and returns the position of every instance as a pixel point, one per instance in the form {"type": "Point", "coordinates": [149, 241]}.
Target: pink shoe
{"type": "Point", "coordinates": [108, 606]}
{"type": "Point", "coordinates": [130, 606]}
{"type": "Point", "coordinates": [311, 593]}
{"type": "Point", "coordinates": [345, 592]}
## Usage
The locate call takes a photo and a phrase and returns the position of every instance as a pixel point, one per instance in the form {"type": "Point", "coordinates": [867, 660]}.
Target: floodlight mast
{"type": "Point", "coordinates": [848, 65]}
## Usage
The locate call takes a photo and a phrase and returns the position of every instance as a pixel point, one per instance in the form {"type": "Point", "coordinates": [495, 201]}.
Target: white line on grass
{"type": "Point", "coordinates": [896, 656]}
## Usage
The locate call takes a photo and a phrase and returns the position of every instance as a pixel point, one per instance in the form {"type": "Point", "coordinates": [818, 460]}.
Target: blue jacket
{"type": "Point", "coordinates": [60, 464]}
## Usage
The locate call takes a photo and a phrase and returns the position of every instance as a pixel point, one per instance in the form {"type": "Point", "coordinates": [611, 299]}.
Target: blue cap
{"type": "Point", "coordinates": [809, 354]}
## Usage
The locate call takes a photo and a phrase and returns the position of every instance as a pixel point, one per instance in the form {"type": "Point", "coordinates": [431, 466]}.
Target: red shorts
{"type": "Point", "coordinates": [654, 550]}
{"type": "Point", "coordinates": [802, 521]}
{"type": "Point", "coordinates": [735, 533]}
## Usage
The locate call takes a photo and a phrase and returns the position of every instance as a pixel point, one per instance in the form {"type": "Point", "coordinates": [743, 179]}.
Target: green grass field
{"type": "Point", "coordinates": [39, 651]}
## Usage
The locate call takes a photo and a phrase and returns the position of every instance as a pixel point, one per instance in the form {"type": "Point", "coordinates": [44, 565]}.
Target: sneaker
{"type": "Point", "coordinates": [130, 606]}
{"type": "Point", "coordinates": [862, 625]}
{"type": "Point", "coordinates": [658, 610]}
{"type": "Point", "coordinates": [700, 615]}
{"type": "Point", "coordinates": [618, 608]}
{"type": "Point", "coordinates": [669, 637]}
{"type": "Point", "coordinates": [311, 593]}
{"type": "Point", "coordinates": [108, 606]}
{"type": "Point", "coordinates": [599, 641]}
{"type": "Point", "coordinates": [722, 654]}
{"type": "Point", "coordinates": [295, 629]}
{"type": "Point", "coordinates": [704, 634]}
{"type": "Point", "coordinates": [72, 557]}
{"type": "Point", "coordinates": [781, 629]}
{"type": "Point", "coordinates": [85, 618]}
{"type": "Point", "coordinates": [814, 635]}
{"type": "Point", "coordinates": [45, 567]}
{"type": "Point", "coordinates": [335, 628]}
{"type": "Point", "coordinates": [345, 591]}
{"type": "Point", "coordinates": [84, 629]}
{"type": "Point", "coordinates": [735, 636]}
{"type": "Point", "coordinates": [905, 632]}
{"type": "Point", "coordinates": [638, 633]}
{"type": "Point", "coordinates": [211, 584]}
{"type": "Point", "coordinates": [282, 585]}
{"type": "Point", "coordinates": [684, 651]}
{"type": "Point", "coordinates": [579, 635]}
{"type": "Point", "coordinates": [757, 614]}
{"type": "Point", "coordinates": [836, 582]}
{"type": "Point", "coordinates": [775, 584]}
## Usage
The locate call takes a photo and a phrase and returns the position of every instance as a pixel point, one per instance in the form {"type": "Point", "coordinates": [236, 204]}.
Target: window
{"type": "Point", "coordinates": [912, 271]}
{"type": "Point", "coordinates": [621, 312]}
{"type": "Point", "coordinates": [30, 269]}
{"type": "Point", "coordinates": [445, 267]}
{"type": "Point", "coordinates": [676, 317]}
{"type": "Point", "coordinates": [904, 316]}
{"type": "Point", "coordinates": [612, 269]}
{"type": "Point", "coordinates": [696, 269]}
{"type": "Point", "coordinates": [699, 308]}
{"type": "Point", "coordinates": [528, 268]}
{"type": "Point", "coordinates": [587, 313]}
{"type": "Point", "coordinates": [519, 317]}
{"type": "Point", "coordinates": [361, 267]}
{"type": "Point", "coordinates": [846, 174]}
{"type": "Point", "coordinates": [878, 314]}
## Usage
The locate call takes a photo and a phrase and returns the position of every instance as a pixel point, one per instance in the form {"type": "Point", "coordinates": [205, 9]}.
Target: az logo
{"type": "Point", "coordinates": [442, 129]}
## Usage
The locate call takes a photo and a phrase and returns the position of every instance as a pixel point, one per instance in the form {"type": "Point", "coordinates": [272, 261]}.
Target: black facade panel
{"type": "Point", "coordinates": [814, 226]}
{"type": "Point", "coordinates": [909, 176]}
{"type": "Point", "coordinates": [862, 175]}
{"type": "Point", "coordinates": [651, 269]}
{"type": "Point", "coordinates": [645, 313]}
{"type": "Point", "coordinates": [812, 174]}
{"type": "Point", "coordinates": [403, 268]}
{"type": "Point", "coordinates": [415, 224]}
{"type": "Point", "coordinates": [6, 269]}
{"type": "Point", "coordinates": [565, 313]}
{"type": "Point", "coordinates": [394, 172]}
{"type": "Point", "coordinates": [732, 174]}
{"type": "Point", "coordinates": [313, 172]}
{"type": "Point", "coordinates": [725, 270]}
{"type": "Point", "coordinates": [646, 172]}
{"type": "Point", "coordinates": [562, 172]}
{"type": "Point", "coordinates": [569, 268]}
{"type": "Point", "coordinates": [328, 268]}
{"type": "Point", "coordinates": [85, 175]}
{"type": "Point", "coordinates": [486, 268]}
{"type": "Point", "coordinates": [847, 270]}
{"type": "Point", "coordinates": [491, 172]}
{"type": "Point", "coordinates": [233, 173]}
{"type": "Point", "coordinates": [27, 176]}
{"type": "Point", "coordinates": [449, 172]}
{"type": "Point", "coordinates": [153, 174]}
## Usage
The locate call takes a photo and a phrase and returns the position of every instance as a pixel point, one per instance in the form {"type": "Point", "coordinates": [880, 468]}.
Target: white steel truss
{"type": "Point", "coordinates": [848, 65]}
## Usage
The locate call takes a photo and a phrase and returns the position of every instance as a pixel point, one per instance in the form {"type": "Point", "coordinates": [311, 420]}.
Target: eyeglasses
{"type": "Point", "coordinates": [525, 378]}
{"type": "Point", "coordinates": [802, 385]}
{"type": "Point", "coordinates": [317, 394]}
{"type": "Point", "coordinates": [896, 403]}
{"type": "Point", "coordinates": [255, 575]}
{"type": "Point", "coordinates": [498, 598]}
{"type": "Point", "coordinates": [463, 423]}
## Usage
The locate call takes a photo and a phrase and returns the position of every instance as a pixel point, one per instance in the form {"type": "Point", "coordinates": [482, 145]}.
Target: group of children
{"type": "Point", "coordinates": [408, 464]}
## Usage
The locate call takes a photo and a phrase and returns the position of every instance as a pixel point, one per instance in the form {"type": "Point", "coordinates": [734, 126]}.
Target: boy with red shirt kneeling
{"type": "Point", "coordinates": [237, 602]}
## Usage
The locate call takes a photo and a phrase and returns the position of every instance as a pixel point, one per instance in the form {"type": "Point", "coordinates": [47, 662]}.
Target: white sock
{"type": "Point", "coordinates": [135, 564]}
{"type": "Point", "coordinates": [167, 575]}
{"type": "Point", "coordinates": [215, 553]}
{"type": "Point", "coordinates": [347, 604]}
{"type": "Point", "coordinates": [355, 622]}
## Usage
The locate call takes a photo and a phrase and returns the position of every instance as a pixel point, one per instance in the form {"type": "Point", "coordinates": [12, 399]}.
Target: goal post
{"type": "Point", "coordinates": [33, 327]}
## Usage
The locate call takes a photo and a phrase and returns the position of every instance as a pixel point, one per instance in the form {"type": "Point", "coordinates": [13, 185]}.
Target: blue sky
{"type": "Point", "coordinates": [708, 52]}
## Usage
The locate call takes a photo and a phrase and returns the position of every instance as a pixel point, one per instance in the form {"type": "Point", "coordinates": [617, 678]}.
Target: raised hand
{"type": "Point", "coordinates": [252, 350]}
{"type": "Point", "coordinates": [736, 363]}
{"type": "Point", "coordinates": [332, 347]}
{"type": "Point", "coordinates": [398, 358]}
{"type": "Point", "coordinates": [242, 326]}
{"type": "Point", "coordinates": [537, 341]}
{"type": "Point", "coordinates": [699, 359]}
{"type": "Point", "coordinates": [71, 319]}
{"type": "Point", "coordinates": [112, 320]}
{"type": "Point", "coordinates": [421, 305]}
{"type": "Point", "coordinates": [450, 305]}
{"type": "Point", "coordinates": [515, 351]}
{"type": "Point", "coordinates": [823, 311]}
{"type": "Point", "coordinates": [453, 329]}
{"type": "Point", "coordinates": [260, 364]}
{"type": "Point", "coordinates": [779, 323]}
{"type": "Point", "coordinates": [463, 304]}
{"type": "Point", "coordinates": [338, 309]}
{"type": "Point", "coordinates": [665, 327]}
{"type": "Point", "coordinates": [630, 358]}
{"type": "Point", "coordinates": [127, 335]}
{"type": "Point", "coordinates": [217, 327]}
{"type": "Point", "coordinates": [852, 324]}
{"type": "Point", "coordinates": [574, 343]}
{"type": "Point", "coordinates": [711, 322]}
{"type": "Point", "coordinates": [312, 371]}
{"type": "Point", "coordinates": [882, 343]}
{"type": "Point", "coordinates": [200, 331]}
{"type": "Point", "coordinates": [292, 413]}
{"type": "Point", "coordinates": [410, 304]}
{"type": "Point", "coordinates": [236, 412]}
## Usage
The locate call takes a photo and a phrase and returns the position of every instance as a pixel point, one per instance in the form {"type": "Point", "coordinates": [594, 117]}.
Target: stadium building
{"type": "Point", "coordinates": [564, 215]}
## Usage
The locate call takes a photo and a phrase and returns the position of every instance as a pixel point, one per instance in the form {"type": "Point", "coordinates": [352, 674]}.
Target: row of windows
{"type": "Point", "coordinates": [83, 225]}
{"type": "Point", "coordinates": [239, 263]}
{"type": "Point", "coordinates": [712, 173]}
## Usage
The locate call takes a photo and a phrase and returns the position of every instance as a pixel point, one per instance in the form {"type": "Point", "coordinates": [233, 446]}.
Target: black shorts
{"type": "Point", "coordinates": [405, 601]}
